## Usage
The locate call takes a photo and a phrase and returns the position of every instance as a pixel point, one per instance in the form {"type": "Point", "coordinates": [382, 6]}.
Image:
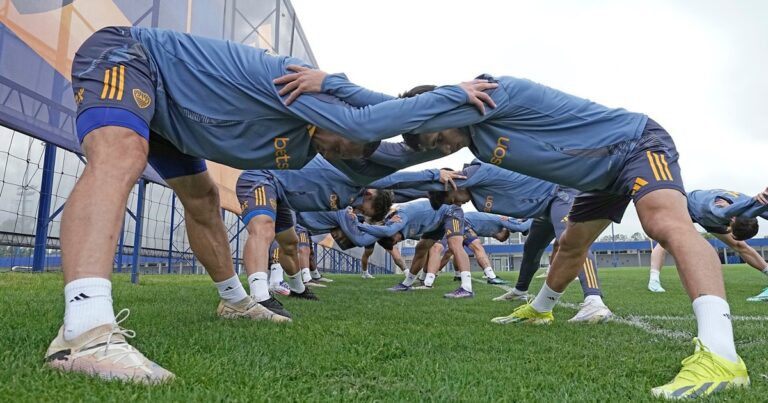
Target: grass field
{"type": "Point", "coordinates": [362, 343]}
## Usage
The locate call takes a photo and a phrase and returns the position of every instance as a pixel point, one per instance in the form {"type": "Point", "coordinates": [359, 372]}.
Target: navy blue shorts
{"type": "Point", "coordinates": [274, 253]}
{"type": "Point", "coordinates": [303, 234]}
{"type": "Point", "coordinates": [260, 198]}
{"type": "Point", "coordinates": [114, 85]}
{"type": "Point", "coordinates": [652, 165]}
{"type": "Point", "coordinates": [452, 225]}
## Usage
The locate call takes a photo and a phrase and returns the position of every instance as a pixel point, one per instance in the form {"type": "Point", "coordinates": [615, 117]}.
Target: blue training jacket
{"type": "Point", "coordinates": [703, 210]}
{"type": "Point", "coordinates": [216, 100]}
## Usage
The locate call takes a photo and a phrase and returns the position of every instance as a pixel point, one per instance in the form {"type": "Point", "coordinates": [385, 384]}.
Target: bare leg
{"type": "Point", "coordinates": [572, 252]}
{"type": "Point", "coordinates": [664, 216]}
{"type": "Point", "coordinates": [94, 213]}
{"type": "Point", "coordinates": [205, 228]}
{"type": "Point", "coordinates": [657, 261]}
{"type": "Point", "coordinates": [261, 232]}
{"type": "Point", "coordinates": [289, 250]}
{"type": "Point", "coordinates": [460, 257]}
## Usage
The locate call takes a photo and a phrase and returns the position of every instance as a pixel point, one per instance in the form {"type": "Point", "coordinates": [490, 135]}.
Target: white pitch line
{"type": "Point", "coordinates": [638, 321]}
{"type": "Point", "coordinates": [672, 318]}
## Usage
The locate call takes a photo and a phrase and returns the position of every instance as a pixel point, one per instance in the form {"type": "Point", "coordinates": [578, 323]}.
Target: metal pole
{"type": "Point", "coordinates": [237, 248]}
{"type": "Point", "coordinates": [170, 238]}
{"type": "Point", "coordinates": [120, 247]}
{"type": "Point", "coordinates": [44, 208]}
{"type": "Point", "coordinates": [137, 234]}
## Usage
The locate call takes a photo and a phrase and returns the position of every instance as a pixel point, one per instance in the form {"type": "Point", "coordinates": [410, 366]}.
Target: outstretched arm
{"type": "Point", "coordinates": [348, 224]}
{"type": "Point", "coordinates": [742, 206]}
{"type": "Point", "coordinates": [392, 227]}
{"type": "Point", "coordinates": [516, 225]}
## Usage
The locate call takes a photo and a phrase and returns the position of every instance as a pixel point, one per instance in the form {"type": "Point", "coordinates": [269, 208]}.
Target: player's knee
{"type": "Point", "coordinates": [665, 230]}
{"type": "Point", "coordinates": [116, 154]}
{"type": "Point", "coordinates": [262, 228]}
{"type": "Point", "coordinates": [289, 246]}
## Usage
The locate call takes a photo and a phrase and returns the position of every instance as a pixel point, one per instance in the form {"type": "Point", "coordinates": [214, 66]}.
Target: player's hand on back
{"type": "Point", "coordinates": [447, 177]}
{"type": "Point", "coordinates": [303, 79]}
{"type": "Point", "coordinates": [476, 96]}
{"type": "Point", "coordinates": [762, 197]}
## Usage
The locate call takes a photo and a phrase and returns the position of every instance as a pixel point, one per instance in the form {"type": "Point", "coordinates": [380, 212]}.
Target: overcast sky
{"type": "Point", "coordinates": [697, 67]}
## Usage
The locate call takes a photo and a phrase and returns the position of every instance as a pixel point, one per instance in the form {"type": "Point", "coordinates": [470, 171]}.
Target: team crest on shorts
{"type": "Point", "coordinates": [273, 203]}
{"type": "Point", "coordinates": [142, 98]}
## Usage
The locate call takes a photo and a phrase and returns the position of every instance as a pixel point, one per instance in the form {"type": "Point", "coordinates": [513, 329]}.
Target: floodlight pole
{"type": "Point", "coordinates": [44, 208]}
{"type": "Point", "coordinates": [137, 234]}
{"type": "Point", "coordinates": [170, 238]}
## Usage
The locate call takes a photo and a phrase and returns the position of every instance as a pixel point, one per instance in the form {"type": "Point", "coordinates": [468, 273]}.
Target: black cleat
{"type": "Point", "coordinates": [307, 294]}
{"type": "Point", "coordinates": [276, 307]}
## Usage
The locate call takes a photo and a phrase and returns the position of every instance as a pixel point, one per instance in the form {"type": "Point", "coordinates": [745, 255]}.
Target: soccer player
{"type": "Point", "coordinates": [731, 218]}
{"type": "Point", "coordinates": [277, 284]}
{"type": "Point", "coordinates": [500, 191]}
{"type": "Point", "coordinates": [173, 100]}
{"type": "Point", "coordinates": [476, 224]}
{"type": "Point", "coordinates": [418, 220]}
{"type": "Point", "coordinates": [309, 273]}
{"type": "Point", "coordinates": [612, 155]}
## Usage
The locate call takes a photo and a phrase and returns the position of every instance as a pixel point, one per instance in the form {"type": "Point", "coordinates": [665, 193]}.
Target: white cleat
{"type": "Point", "coordinates": [592, 312]}
{"type": "Point", "coordinates": [513, 295]}
{"type": "Point", "coordinates": [655, 286]}
{"type": "Point", "coordinates": [367, 276]}
{"type": "Point", "coordinates": [104, 352]}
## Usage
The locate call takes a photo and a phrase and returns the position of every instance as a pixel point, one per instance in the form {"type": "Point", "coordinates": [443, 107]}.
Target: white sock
{"type": "Point", "coordinates": [713, 317]}
{"type": "Point", "coordinates": [231, 290]}
{"type": "Point", "coordinates": [488, 271]}
{"type": "Point", "coordinates": [429, 279]}
{"type": "Point", "coordinates": [422, 275]}
{"type": "Point", "coordinates": [595, 299]}
{"type": "Point", "coordinates": [546, 299]}
{"type": "Point", "coordinates": [466, 280]}
{"type": "Point", "coordinates": [409, 278]}
{"type": "Point", "coordinates": [296, 283]}
{"type": "Point", "coordinates": [259, 286]}
{"type": "Point", "coordinates": [765, 271]}
{"type": "Point", "coordinates": [275, 274]}
{"type": "Point", "coordinates": [315, 274]}
{"type": "Point", "coordinates": [87, 304]}
{"type": "Point", "coordinates": [655, 276]}
{"type": "Point", "coordinates": [305, 276]}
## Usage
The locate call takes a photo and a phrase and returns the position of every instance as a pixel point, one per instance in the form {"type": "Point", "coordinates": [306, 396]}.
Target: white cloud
{"type": "Point", "coordinates": [697, 67]}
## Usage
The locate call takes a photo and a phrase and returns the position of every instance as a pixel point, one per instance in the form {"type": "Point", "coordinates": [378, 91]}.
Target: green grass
{"type": "Point", "coordinates": [362, 343]}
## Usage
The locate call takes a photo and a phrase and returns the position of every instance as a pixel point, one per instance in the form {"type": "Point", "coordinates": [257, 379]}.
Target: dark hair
{"type": "Point", "coordinates": [382, 203]}
{"type": "Point", "coordinates": [507, 234]}
{"type": "Point", "coordinates": [344, 243]}
{"type": "Point", "coordinates": [744, 228]}
{"type": "Point", "coordinates": [412, 139]}
{"type": "Point", "coordinates": [387, 243]}
{"type": "Point", "coordinates": [437, 198]}
{"type": "Point", "coordinates": [419, 89]}
{"type": "Point", "coordinates": [370, 148]}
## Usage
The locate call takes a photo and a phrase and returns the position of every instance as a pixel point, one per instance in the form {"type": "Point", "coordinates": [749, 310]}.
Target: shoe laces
{"type": "Point", "coordinates": [117, 350]}
{"type": "Point", "coordinates": [700, 364]}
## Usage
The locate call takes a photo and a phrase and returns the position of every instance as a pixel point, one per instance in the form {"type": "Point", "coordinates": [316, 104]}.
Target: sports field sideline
{"type": "Point", "coordinates": [363, 343]}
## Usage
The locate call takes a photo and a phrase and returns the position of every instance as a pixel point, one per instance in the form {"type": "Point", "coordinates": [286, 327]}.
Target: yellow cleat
{"type": "Point", "coordinates": [702, 374]}
{"type": "Point", "coordinates": [525, 314]}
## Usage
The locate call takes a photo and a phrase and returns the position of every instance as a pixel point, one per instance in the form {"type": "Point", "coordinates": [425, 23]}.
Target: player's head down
{"type": "Point", "coordinates": [502, 235]}
{"type": "Point", "coordinates": [743, 228]}
{"type": "Point", "coordinates": [332, 146]}
{"type": "Point", "coordinates": [376, 203]}
{"type": "Point", "coordinates": [390, 242]}
{"type": "Point", "coordinates": [457, 197]}
{"type": "Point", "coordinates": [447, 141]}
